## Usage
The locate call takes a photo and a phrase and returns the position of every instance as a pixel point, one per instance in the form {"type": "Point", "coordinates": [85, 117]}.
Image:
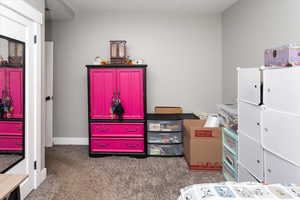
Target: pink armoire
{"type": "Point", "coordinates": [11, 127]}
{"type": "Point", "coordinates": [110, 134]}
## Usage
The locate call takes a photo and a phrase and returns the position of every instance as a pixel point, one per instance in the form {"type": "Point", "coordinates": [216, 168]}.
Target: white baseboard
{"type": "Point", "coordinates": [43, 175]}
{"type": "Point", "coordinates": [70, 141]}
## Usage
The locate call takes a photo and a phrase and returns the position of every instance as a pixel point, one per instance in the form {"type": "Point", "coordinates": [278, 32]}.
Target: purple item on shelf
{"type": "Point", "coordinates": [288, 55]}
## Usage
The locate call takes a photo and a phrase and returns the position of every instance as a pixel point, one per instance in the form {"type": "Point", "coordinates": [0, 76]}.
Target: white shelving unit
{"type": "Point", "coordinates": [269, 119]}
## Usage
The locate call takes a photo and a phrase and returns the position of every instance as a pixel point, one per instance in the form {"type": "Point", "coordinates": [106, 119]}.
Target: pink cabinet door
{"type": "Point", "coordinates": [102, 88]}
{"type": "Point", "coordinates": [130, 85]}
{"type": "Point", "coordinates": [14, 81]}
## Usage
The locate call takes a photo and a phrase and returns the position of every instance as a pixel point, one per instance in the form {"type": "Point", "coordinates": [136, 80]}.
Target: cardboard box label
{"type": "Point", "coordinates": [203, 133]}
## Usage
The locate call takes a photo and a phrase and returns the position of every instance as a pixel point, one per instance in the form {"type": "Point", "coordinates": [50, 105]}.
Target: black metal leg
{"type": "Point", "coordinates": [15, 195]}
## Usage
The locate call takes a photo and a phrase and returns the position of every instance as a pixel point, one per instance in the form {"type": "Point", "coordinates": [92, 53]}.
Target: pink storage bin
{"type": "Point", "coordinates": [117, 130]}
{"type": "Point", "coordinates": [117, 145]}
{"type": "Point", "coordinates": [11, 128]}
{"type": "Point", "coordinates": [288, 55]}
{"type": "Point", "coordinates": [11, 143]}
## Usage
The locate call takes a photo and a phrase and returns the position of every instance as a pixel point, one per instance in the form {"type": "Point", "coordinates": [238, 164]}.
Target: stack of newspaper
{"type": "Point", "coordinates": [240, 191]}
{"type": "Point", "coordinates": [228, 115]}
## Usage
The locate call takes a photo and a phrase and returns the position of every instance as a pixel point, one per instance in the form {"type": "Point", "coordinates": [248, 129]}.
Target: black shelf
{"type": "Point", "coordinates": [116, 66]}
{"type": "Point", "coordinates": [130, 154]}
{"type": "Point", "coordinates": [12, 65]}
{"type": "Point", "coordinates": [167, 117]}
{"type": "Point", "coordinates": [117, 120]}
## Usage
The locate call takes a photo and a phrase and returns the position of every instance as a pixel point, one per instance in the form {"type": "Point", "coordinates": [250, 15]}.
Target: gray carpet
{"type": "Point", "coordinates": [72, 175]}
{"type": "Point", "coordinates": [6, 160]}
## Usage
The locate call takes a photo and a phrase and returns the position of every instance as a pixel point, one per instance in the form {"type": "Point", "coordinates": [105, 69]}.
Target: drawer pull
{"type": "Point", "coordinates": [102, 130]}
{"type": "Point", "coordinates": [103, 145]}
{"type": "Point", "coordinates": [131, 130]}
{"type": "Point", "coordinates": [258, 161]}
{"type": "Point", "coordinates": [132, 145]}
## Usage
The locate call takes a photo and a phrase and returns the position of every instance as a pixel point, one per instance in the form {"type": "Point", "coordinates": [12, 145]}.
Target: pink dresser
{"type": "Point", "coordinates": [108, 133]}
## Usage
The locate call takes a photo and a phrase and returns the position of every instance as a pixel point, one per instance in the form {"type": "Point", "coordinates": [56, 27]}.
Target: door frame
{"type": "Point", "coordinates": [21, 12]}
{"type": "Point", "coordinates": [49, 47]}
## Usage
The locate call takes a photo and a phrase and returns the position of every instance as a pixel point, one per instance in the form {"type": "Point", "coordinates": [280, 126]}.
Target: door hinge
{"type": "Point", "coordinates": [35, 39]}
{"type": "Point", "coordinates": [34, 165]}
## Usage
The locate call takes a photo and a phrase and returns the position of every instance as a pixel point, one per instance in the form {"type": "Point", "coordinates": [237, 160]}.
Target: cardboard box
{"type": "Point", "coordinates": [168, 110]}
{"type": "Point", "coordinates": [202, 146]}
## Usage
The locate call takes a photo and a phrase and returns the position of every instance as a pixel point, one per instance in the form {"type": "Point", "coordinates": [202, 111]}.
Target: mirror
{"type": "Point", "coordinates": [12, 102]}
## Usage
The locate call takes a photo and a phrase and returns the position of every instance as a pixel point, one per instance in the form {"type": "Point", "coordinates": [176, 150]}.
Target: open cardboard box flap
{"type": "Point", "coordinates": [195, 129]}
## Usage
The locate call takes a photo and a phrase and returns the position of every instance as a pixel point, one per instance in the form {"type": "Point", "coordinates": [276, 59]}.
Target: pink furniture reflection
{"type": "Point", "coordinates": [107, 133]}
{"type": "Point", "coordinates": [11, 126]}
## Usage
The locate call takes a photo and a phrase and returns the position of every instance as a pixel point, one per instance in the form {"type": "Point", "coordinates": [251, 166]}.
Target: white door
{"type": "Point", "coordinates": [281, 89]}
{"type": "Point", "coordinates": [14, 24]}
{"type": "Point", "coordinates": [278, 170]}
{"type": "Point", "coordinates": [280, 134]}
{"type": "Point", "coordinates": [49, 93]}
{"type": "Point", "coordinates": [249, 85]}
{"type": "Point", "coordinates": [249, 120]}
{"type": "Point", "coordinates": [251, 155]}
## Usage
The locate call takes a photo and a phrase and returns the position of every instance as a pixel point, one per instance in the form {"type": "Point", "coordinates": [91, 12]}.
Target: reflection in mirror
{"type": "Point", "coordinates": [12, 101]}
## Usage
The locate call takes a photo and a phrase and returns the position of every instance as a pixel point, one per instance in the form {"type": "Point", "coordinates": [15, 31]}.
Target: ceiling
{"type": "Point", "coordinates": [191, 6]}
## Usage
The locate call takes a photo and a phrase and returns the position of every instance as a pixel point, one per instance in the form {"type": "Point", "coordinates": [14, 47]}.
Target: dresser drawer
{"type": "Point", "coordinates": [11, 128]}
{"type": "Point", "coordinates": [164, 125]}
{"type": "Point", "coordinates": [117, 145]}
{"type": "Point", "coordinates": [165, 138]}
{"type": "Point", "coordinates": [11, 143]}
{"type": "Point", "coordinates": [117, 130]}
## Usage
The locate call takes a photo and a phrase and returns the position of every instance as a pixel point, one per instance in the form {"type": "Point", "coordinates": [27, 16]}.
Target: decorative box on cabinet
{"type": "Point", "coordinates": [109, 135]}
{"type": "Point", "coordinates": [269, 115]}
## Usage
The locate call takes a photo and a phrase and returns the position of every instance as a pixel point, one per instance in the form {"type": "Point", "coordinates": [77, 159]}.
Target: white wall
{"type": "Point", "coordinates": [251, 26]}
{"type": "Point", "coordinates": [184, 54]}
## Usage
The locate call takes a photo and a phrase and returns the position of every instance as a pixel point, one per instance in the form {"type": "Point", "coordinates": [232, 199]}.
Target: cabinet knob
{"type": "Point", "coordinates": [266, 129]}
{"type": "Point", "coordinates": [255, 86]}
{"type": "Point", "coordinates": [258, 161]}
{"type": "Point", "coordinates": [258, 124]}
{"type": "Point", "coordinates": [269, 90]}
{"type": "Point", "coordinates": [269, 170]}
